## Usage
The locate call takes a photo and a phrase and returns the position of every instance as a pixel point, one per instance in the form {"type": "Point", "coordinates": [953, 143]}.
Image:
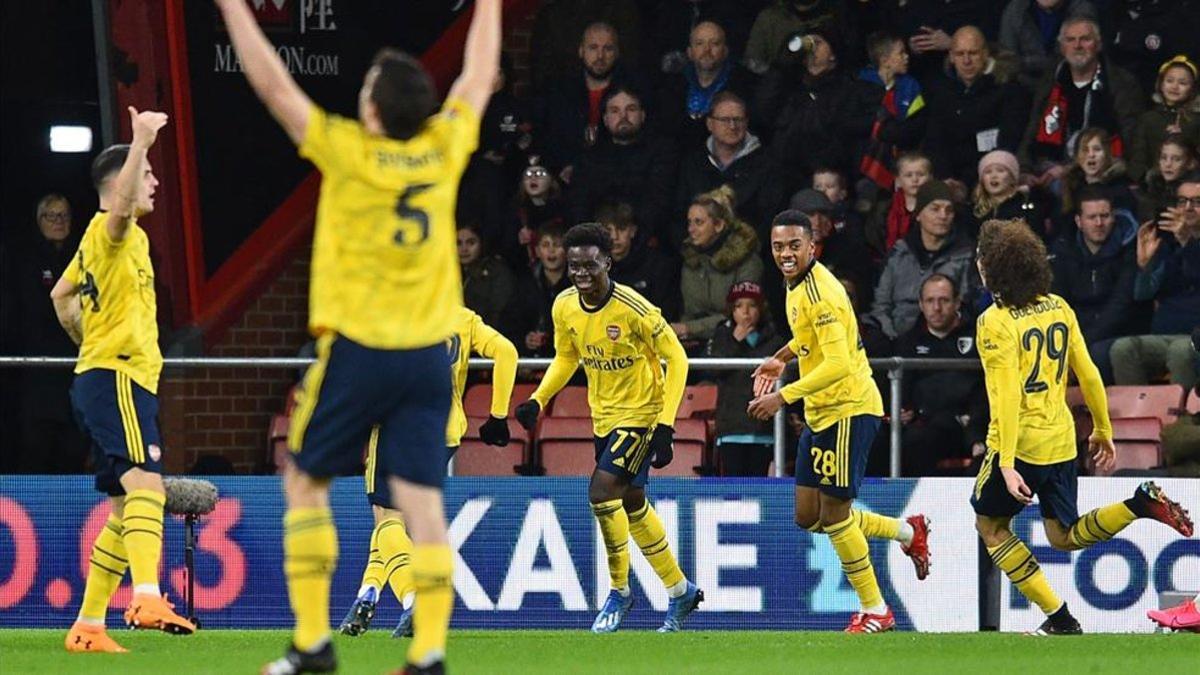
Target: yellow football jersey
{"type": "Point", "coordinates": [835, 377]}
{"type": "Point", "coordinates": [385, 270]}
{"type": "Point", "coordinates": [116, 289]}
{"type": "Point", "coordinates": [1025, 354]}
{"type": "Point", "coordinates": [471, 334]}
{"type": "Point", "coordinates": [619, 344]}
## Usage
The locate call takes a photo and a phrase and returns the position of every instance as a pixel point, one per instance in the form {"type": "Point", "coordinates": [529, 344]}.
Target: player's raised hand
{"type": "Point", "coordinates": [527, 414]}
{"type": "Point", "coordinates": [1103, 452]}
{"type": "Point", "coordinates": [1016, 485]}
{"type": "Point", "coordinates": [765, 375]}
{"type": "Point", "coordinates": [145, 125]}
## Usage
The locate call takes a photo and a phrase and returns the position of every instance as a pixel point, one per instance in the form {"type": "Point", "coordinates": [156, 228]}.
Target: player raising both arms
{"type": "Point", "coordinates": [391, 548]}
{"type": "Point", "coordinates": [619, 338]}
{"type": "Point", "coordinates": [1027, 341]}
{"type": "Point", "coordinates": [843, 409]}
{"type": "Point", "coordinates": [105, 301]}
{"type": "Point", "coordinates": [385, 288]}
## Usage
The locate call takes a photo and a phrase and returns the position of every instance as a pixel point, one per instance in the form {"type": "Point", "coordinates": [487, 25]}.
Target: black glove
{"type": "Point", "coordinates": [527, 414]}
{"type": "Point", "coordinates": [661, 449]}
{"type": "Point", "coordinates": [494, 431]}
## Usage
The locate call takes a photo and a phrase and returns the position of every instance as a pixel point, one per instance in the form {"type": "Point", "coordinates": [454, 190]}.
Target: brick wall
{"type": "Point", "coordinates": [227, 411]}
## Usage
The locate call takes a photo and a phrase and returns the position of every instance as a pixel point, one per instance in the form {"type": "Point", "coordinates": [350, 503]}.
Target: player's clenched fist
{"type": "Point", "coordinates": [662, 448]}
{"type": "Point", "coordinates": [527, 414]}
{"type": "Point", "coordinates": [495, 431]}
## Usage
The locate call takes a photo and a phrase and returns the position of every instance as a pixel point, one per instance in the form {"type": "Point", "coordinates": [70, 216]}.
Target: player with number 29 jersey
{"type": "Point", "coordinates": [385, 231]}
{"type": "Point", "coordinates": [1035, 344]}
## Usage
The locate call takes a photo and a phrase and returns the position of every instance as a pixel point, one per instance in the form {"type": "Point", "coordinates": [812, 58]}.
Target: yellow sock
{"type": "Point", "coordinates": [614, 529]}
{"type": "Point", "coordinates": [142, 531]}
{"type": "Point", "coordinates": [432, 574]}
{"type": "Point", "coordinates": [1023, 570]}
{"type": "Point", "coordinates": [395, 550]}
{"type": "Point", "coordinates": [648, 531]}
{"type": "Point", "coordinates": [310, 551]}
{"type": "Point", "coordinates": [851, 547]}
{"type": "Point", "coordinates": [105, 571]}
{"type": "Point", "coordinates": [875, 526]}
{"type": "Point", "coordinates": [373, 574]}
{"type": "Point", "coordinates": [1101, 524]}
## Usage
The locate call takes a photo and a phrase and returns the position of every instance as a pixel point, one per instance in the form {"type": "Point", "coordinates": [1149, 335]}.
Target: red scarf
{"type": "Point", "coordinates": [899, 220]}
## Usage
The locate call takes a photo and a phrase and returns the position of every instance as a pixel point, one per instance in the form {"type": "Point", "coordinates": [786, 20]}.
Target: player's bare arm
{"type": "Point", "coordinates": [65, 296]}
{"type": "Point", "coordinates": [135, 170]}
{"type": "Point", "coordinates": [265, 71]}
{"type": "Point", "coordinates": [481, 56]}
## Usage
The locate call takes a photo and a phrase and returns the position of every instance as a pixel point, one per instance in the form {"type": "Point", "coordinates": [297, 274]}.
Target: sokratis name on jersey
{"type": "Point", "coordinates": [1045, 305]}
{"type": "Point", "coordinates": [386, 159]}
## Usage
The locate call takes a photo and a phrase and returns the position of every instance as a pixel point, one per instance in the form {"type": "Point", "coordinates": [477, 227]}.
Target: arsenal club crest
{"type": "Point", "coordinates": [965, 344]}
{"type": "Point", "coordinates": [614, 332]}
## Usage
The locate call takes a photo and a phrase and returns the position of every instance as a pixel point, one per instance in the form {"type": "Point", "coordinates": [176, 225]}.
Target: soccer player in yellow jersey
{"type": "Point", "coordinates": [1027, 341]}
{"type": "Point", "coordinates": [619, 339]}
{"type": "Point", "coordinates": [384, 291]}
{"type": "Point", "coordinates": [105, 301]}
{"type": "Point", "coordinates": [391, 548]}
{"type": "Point", "coordinates": [843, 410]}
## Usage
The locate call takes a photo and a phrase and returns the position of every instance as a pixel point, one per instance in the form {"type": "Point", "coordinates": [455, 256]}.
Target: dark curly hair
{"type": "Point", "coordinates": [1014, 262]}
{"type": "Point", "coordinates": [589, 234]}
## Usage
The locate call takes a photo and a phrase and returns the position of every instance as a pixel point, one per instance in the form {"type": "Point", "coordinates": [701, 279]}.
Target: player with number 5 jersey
{"type": "Point", "coordinates": [383, 298]}
{"type": "Point", "coordinates": [1028, 341]}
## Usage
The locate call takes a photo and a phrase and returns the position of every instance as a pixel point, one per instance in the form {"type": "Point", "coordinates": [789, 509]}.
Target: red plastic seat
{"type": "Point", "coordinates": [476, 458]}
{"type": "Point", "coordinates": [699, 400]}
{"type": "Point", "coordinates": [571, 402]}
{"type": "Point", "coordinates": [478, 400]}
{"type": "Point", "coordinates": [1139, 444]}
{"type": "Point", "coordinates": [567, 446]}
{"type": "Point", "coordinates": [1161, 401]}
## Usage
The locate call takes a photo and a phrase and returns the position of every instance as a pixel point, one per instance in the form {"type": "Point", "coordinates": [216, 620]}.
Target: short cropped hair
{"type": "Point", "coordinates": [108, 162]}
{"type": "Point", "coordinates": [403, 92]}
{"type": "Point", "coordinates": [589, 234]}
{"type": "Point", "coordinates": [793, 218]}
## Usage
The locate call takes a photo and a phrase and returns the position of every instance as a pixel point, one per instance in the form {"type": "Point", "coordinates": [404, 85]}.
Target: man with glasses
{"type": "Point", "coordinates": [1168, 260]}
{"type": "Point", "coordinates": [686, 95]}
{"type": "Point", "coordinates": [734, 156]}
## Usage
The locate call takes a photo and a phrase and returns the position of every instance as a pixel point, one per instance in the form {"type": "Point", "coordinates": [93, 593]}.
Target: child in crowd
{"type": "Point", "coordinates": [1176, 157]}
{"type": "Point", "coordinates": [998, 196]}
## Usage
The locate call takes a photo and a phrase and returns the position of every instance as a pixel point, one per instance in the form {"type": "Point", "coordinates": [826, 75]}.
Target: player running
{"type": "Point", "coordinates": [384, 292]}
{"type": "Point", "coordinates": [1027, 341]}
{"type": "Point", "coordinates": [843, 410]}
{"type": "Point", "coordinates": [105, 301]}
{"type": "Point", "coordinates": [619, 338]}
{"type": "Point", "coordinates": [391, 548]}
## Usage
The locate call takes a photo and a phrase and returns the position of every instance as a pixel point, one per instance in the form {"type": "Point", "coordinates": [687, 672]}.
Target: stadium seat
{"type": "Point", "coordinates": [476, 458]}
{"type": "Point", "coordinates": [1161, 401]}
{"type": "Point", "coordinates": [478, 400]}
{"type": "Point", "coordinates": [691, 437]}
{"type": "Point", "coordinates": [571, 402]}
{"type": "Point", "coordinates": [699, 400]}
{"type": "Point", "coordinates": [566, 446]}
{"type": "Point", "coordinates": [1138, 441]}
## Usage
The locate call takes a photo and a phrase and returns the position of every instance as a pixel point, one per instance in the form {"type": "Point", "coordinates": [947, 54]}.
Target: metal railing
{"type": "Point", "coordinates": [895, 368]}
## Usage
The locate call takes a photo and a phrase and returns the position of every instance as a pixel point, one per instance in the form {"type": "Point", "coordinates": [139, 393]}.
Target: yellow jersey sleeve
{"type": "Point", "coordinates": [1090, 382]}
{"type": "Point", "coordinates": [489, 343]}
{"type": "Point", "coordinates": [655, 331]}
{"type": "Point", "coordinates": [566, 357]}
{"type": "Point", "coordinates": [456, 125]}
{"type": "Point", "coordinates": [332, 142]}
{"type": "Point", "coordinates": [998, 350]}
{"type": "Point", "coordinates": [830, 332]}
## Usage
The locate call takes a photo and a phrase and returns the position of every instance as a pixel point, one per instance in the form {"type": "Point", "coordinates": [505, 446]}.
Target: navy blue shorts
{"type": "Point", "coordinates": [352, 388]}
{"type": "Point", "coordinates": [122, 420]}
{"type": "Point", "coordinates": [834, 459]}
{"type": "Point", "coordinates": [1056, 487]}
{"type": "Point", "coordinates": [624, 453]}
{"type": "Point", "coordinates": [375, 480]}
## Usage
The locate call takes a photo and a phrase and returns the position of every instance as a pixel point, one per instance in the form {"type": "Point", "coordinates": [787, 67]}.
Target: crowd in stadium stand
{"type": "Point", "coordinates": [899, 127]}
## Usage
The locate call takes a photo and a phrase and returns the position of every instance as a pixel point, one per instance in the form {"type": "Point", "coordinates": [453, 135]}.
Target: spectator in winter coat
{"type": "Point", "coordinates": [1095, 165]}
{"type": "Point", "coordinates": [627, 163]}
{"type": "Point", "coordinates": [998, 196]}
{"type": "Point", "coordinates": [1084, 90]}
{"type": "Point", "coordinates": [1094, 271]}
{"type": "Point", "coordinates": [487, 280]}
{"type": "Point", "coordinates": [892, 218]}
{"type": "Point", "coordinates": [1176, 111]}
{"type": "Point", "coordinates": [935, 246]}
{"type": "Point", "coordinates": [538, 203]}
{"type": "Point", "coordinates": [732, 156]}
{"type": "Point", "coordinates": [972, 108]}
{"type": "Point", "coordinates": [720, 251]}
{"type": "Point", "coordinates": [899, 123]}
{"type": "Point", "coordinates": [1177, 157]}
{"type": "Point", "coordinates": [529, 324]}
{"type": "Point", "coordinates": [646, 270]}
{"type": "Point", "coordinates": [745, 445]}
{"type": "Point", "coordinates": [1168, 259]}
{"type": "Point", "coordinates": [1029, 29]}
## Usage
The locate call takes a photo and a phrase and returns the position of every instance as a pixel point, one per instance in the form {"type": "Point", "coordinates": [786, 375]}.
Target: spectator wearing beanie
{"type": "Point", "coordinates": [999, 196]}
{"type": "Point", "coordinates": [1176, 111]}
{"type": "Point", "coordinates": [745, 444]}
{"type": "Point", "coordinates": [934, 246]}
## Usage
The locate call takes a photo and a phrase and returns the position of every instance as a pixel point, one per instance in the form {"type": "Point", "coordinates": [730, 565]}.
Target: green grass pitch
{"type": "Point", "coordinates": [628, 653]}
